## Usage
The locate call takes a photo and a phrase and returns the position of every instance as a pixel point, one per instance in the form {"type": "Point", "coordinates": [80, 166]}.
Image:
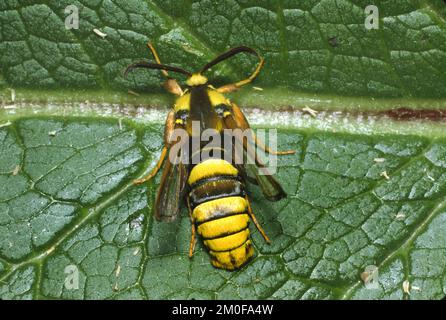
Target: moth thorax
{"type": "Point", "coordinates": [196, 79]}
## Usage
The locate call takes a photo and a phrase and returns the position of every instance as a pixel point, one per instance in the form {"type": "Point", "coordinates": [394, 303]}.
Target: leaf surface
{"type": "Point", "coordinates": [364, 190]}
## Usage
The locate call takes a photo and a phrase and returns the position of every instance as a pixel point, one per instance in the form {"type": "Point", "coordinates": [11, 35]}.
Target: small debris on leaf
{"type": "Point", "coordinates": [400, 216]}
{"type": "Point", "coordinates": [133, 93]}
{"type": "Point", "coordinates": [100, 33]}
{"type": "Point", "coordinates": [310, 111]}
{"type": "Point", "coordinates": [385, 175]}
{"type": "Point", "coordinates": [7, 123]}
{"type": "Point", "coordinates": [257, 88]}
{"type": "Point", "coordinates": [120, 124]}
{"type": "Point", "coordinates": [365, 277]}
{"type": "Point", "coordinates": [333, 41]}
{"type": "Point", "coordinates": [52, 133]}
{"type": "Point", "coordinates": [12, 95]}
{"type": "Point", "coordinates": [416, 288]}
{"type": "Point", "coordinates": [379, 160]}
{"type": "Point", "coordinates": [16, 170]}
{"type": "Point", "coordinates": [406, 286]}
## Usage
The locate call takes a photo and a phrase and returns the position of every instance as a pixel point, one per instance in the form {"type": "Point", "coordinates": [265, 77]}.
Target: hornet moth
{"type": "Point", "coordinates": [213, 187]}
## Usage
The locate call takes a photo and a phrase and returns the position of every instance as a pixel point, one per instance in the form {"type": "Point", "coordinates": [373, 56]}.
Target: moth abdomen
{"type": "Point", "coordinates": [220, 212]}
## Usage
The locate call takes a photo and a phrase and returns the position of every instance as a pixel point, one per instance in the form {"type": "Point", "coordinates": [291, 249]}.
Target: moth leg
{"type": "Point", "coordinates": [192, 238]}
{"type": "Point", "coordinates": [257, 224]}
{"type": "Point", "coordinates": [235, 86]}
{"type": "Point", "coordinates": [168, 129]}
{"type": "Point", "coordinates": [157, 59]}
{"type": "Point", "coordinates": [259, 143]}
{"type": "Point", "coordinates": [154, 170]}
{"type": "Point", "coordinates": [171, 85]}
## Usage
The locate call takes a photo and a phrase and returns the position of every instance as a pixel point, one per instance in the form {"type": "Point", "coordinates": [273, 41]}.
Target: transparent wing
{"type": "Point", "coordinates": [253, 168]}
{"type": "Point", "coordinates": [171, 191]}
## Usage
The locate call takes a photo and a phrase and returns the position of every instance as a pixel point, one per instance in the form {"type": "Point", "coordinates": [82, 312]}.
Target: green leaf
{"type": "Point", "coordinates": [310, 46]}
{"type": "Point", "coordinates": [67, 199]}
{"type": "Point", "coordinates": [364, 190]}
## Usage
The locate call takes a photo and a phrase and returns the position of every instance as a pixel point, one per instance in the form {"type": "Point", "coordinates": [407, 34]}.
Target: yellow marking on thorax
{"type": "Point", "coordinates": [210, 168]}
{"type": "Point", "coordinates": [222, 226]}
{"type": "Point", "coordinates": [208, 210]}
{"type": "Point", "coordinates": [196, 79]}
{"type": "Point", "coordinates": [182, 103]}
{"type": "Point", "coordinates": [217, 98]}
{"type": "Point", "coordinates": [228, 242]}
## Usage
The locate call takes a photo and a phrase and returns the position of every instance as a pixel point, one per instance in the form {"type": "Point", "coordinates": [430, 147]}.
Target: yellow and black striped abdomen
{"type": "Point", "coordinates": [220, 212]}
